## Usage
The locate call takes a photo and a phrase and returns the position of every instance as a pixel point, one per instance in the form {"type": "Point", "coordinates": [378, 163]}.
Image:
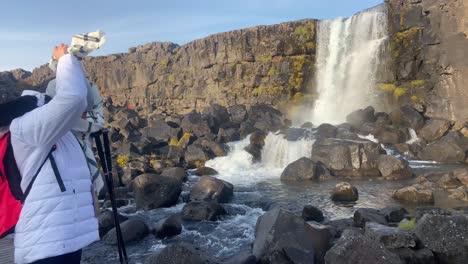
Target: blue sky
{"type": "Point", "coordinates": [30, 28]}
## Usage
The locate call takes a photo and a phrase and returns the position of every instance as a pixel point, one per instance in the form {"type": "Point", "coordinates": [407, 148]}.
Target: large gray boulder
{"type": "Point", "coordinates": [106, 221]}
{"type": "Point", "coordinates": [446, 236]}
{"type": "Point", "coordinates": [361, 116]}
{"type": "Point", "coordinates": [355, 248]}
{"type": "Point", "coordinates": [450, 148]}
{"type": "Point", "coordinates": [168, 227]}
{"type": "Point", "coordinates": [406, 116]}
{"type": "Point", "coordinates": [303, 169]}
{"type": "Point", "coordinates": [211, 189]}
{"type": "Point", "coordinates": [132, 230]}
{"type": "Point", "coordinates": [326, 131]}
{"type": "Point", "coordinates": [199, 211]}
{"type": "Point", "coordinates": [216, 115]}
{"type": "Point", "coordinates": [160, 130]}
{"type": "Point", "coordinates": [434, 129]}
{"type": "Point", "coordinates": [415, 256]}
{"type": "Point", "coordinates": [194, 123]}
{"type": "Point", "coordinates": [415, 194]}
{"type": "Point", "coordinates": [153, 191]}
{"type": "Point", "coordinates": [266, 118]}
{"type": "Point", "coordinates": [180, 253]}
{"type": "Point", "coordinates": [280, 236]}
{"type": "Point", "coordinates": [362, 216]}
{"type": "Point", "coordinates": [238, 113]}
{"type": "Point", "coordinates": [390, 237]}
{"type": "Point", "coordinates": [348, 158]}
{"type": "Point", "coordinates": [196, 154]}
{"type": "Point", "coordinates": [257, 141]}
{"type": "Point", "coordinates": [175, 173]}
{"type": "Point", "coordinates": [393, 168]}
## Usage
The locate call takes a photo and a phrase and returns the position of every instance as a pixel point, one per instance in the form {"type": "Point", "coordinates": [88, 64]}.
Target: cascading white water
{"type": "Point", "coordinates": [348, 54]}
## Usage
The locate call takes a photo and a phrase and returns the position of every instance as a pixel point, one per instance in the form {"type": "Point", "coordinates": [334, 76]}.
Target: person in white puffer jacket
{"type": "Point", "coordinates": [54, 226]}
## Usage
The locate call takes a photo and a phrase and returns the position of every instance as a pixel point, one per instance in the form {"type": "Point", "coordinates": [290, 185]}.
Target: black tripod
{"type": "Point", "coordinates": [106, 163]}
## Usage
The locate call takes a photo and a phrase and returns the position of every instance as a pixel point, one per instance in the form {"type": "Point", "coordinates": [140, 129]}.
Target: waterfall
{"type": "Point", "coordinates": [349, 52]}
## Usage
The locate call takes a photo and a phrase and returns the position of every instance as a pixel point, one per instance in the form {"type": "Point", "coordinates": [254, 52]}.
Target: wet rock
{"type": "Point", "coordinates": [434, 129]}
{"type": "Point", "coordinates": [106, 221]}
{"type": "Point", "coordinates": [160, 130]}
{"type": "Point", "coordinates": [390, 135]}
{"type": "Point", "coordinates": [361, 116]}
{"type": "Point", "coordinates": [132, 230]}
{"type": "Point", "coordinates": [393, 168]}
{"type": "Point", "coordinates": [365, 215]}
{"type": "Point", "coordinates": [205, 171]}
{"type": "Point", "coordinates": [226, 135]}
{"type": "Point", "coordinates": [196, 154]}
{"type": "Point", "coordinates": [214, 149]}
{"type": "Point", "coordinates": [348, 158]}
{"type": "Point", "coordinates": [382, 119]}
{"type": "Point", "coordinates": [216, 115]}
{"type": "Point", "coordinates": [168, 227]}
{"type": "Point", "coordinates": [340, 225]}
{"type": "Point", "coordinates": [153, 191]}
{"type": "Point", "coordinates": [449, 181]}
{"type": "Point", "coordinates": [307, 125]}
{"type": "Point", "coordinates": [242, 257]}
{"type": "Point", "coordinates": [180, 253]}
{"type": "Point", "coordinates": [394, 213]}
{"type": "Point", "coordinates": [266, 118]}
{"type": "Point", "coordinates": [295, 134]}
{"type": "Point", "coordinates": [460, 193]}
{"type": "Point", "coordinates": [118, 203]}
{"type": "Point", "coordinates": [420, 211]}
{"type": "Point", "coordinates": [418, 256]}
{"type": "Point", "coordinates": [212, 189]}
{"type": "Point", "coordinates": [406, 116]}
{"type": "Point", "coordinates": [257, 141]}
{"type": "Point", "coordinates": [175, 173]}
{"type": "Point", "coordinates": [390, 237]}
{"type": "Point", "coordinates": [199, 211]}
{"type": "Point", "coordinates": [450, 148]}
{"type": "Point", "coordinates": [344, 192]}
{"type": "Point", "coordinates": [238, 113]}
{"type": "Point", "coordinates": [195, 124]}
{"type": "Point", "coordinates": [449, 241]}
{"type": "Point", "coordinates": [416, 194]}
{"type": "Point", "coordinates": [355, 248]}
{"type": "Point", "coordinates": [462, 175]}
{"type": "Point", "coordinates": [312, 213]}
{"type": "Point", "coordinates": [247, 128]}
{"type": "Point", "coordinates": [303, 169]}
{"type": "Point", "coordinates": [342, 133]}
{"type": "Point", "coordinates": [280, 235]}
{"type": "Point", "coordinates": [326, 131]}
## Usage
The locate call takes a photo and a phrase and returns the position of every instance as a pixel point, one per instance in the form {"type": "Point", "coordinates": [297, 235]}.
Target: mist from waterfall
{"type": "Point", "coordinates": [349, 51]}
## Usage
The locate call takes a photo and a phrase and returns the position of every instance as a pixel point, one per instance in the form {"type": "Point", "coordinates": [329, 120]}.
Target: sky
{"type": "Point", "coordinates": [29, 29]}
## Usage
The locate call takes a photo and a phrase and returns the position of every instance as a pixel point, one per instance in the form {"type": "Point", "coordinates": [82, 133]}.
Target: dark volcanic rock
{"type": "Point", "coordinates": [406, 116]}
{"type": "Point", "coordinates": [226, 135]}
{"type": "Point", "coordinates": [390, 135]}
{"type": "Point", "coordinates": [446, 236]}
{"type": "Point", "coordinates": [344, 192]}
{"type": "Point", "coordinates": [434, 129]}
{"type": "Point", "coordinates": [106, 221]}
{"type": "Point", "coordinates": [153, 191]}
{"type": "Point", "coordinates": [390, 237]}
{"type": "Point", "coordinates": [160, 130]}
{"type": "Point", "coordinates": [175, 173]}
{"type": "Point", "coordinates": [243, 257]}
{"type": "Point", "coordinates": [168, 227]}
{"type": "Point", "coordinates": [132, 230]}
{"type": "Point", "coordinates": [418, 256]}
{"type": "Point", "coordinates": [302, 169]}
{"type": "Point", "coordinates": [361, 116]}
{"type": "Point", "coordinates": [450, 148]}
{"type": "Point", "coordinates": [266, 118]}
{"type": "Point", "coordinates": [364, 215]}
{"type": "Point", "coordinates": [180, 253]}
{"type": "Point", "coordinates": [199, 211]}
{"type": "Point", "coordinates": [205, 171]}
{"type": "Point", "coordinates": [326, 131]}
{"type": "Point", "coordinates": [212, 189]}
{"type": "Point", "coordinates": [312, 213]}
{"type": "Point", "coordinates": [216, 115]}
{"type": "Point", "coordinates": [393, 168]}
{"type": "Point", "coordinates": [196, 154]}
{"type": "Point", "coordinates": [280, 236]}
{"type": "Point", "coordinates": [195, 124]}
{"type": "Point", "coordinates": [257, 141]}
{"type": "Point", "coordinates": [394, 213]}
{"type": "Point", "coordinates": [238, 113]}
{"type": "Point", "coordinates": [355, 248]}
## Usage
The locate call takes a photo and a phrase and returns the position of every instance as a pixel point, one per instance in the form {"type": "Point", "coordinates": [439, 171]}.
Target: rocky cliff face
{"type": "Point", "coordinates": [429, 46]}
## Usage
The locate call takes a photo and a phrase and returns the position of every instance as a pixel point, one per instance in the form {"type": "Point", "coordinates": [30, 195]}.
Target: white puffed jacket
{"type": "Point", "coordinates": [52, 222]}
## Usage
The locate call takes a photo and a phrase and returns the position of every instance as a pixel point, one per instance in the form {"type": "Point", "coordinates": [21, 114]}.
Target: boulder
{"type": "Point", "coordinates": [390, 135]}
{"type": "Point", "coordinates": [340, 225]}
{"type": "Point", "coordinates": [280, 236]}
{"type": "Point", "coordinates": [361, 116]}
{"type": "Point", "coordinates": [226, 135]}
{"type": "Point", "coordinates": [393, 168]}
{"type": "Point", "coordinates": [420, 211]}
{"type": "Point", "coordinates": [168, 227]}
{"type": "Point", "coordinates": [175, 173]}
{"type": "Point", "coordinates": [266, 118]}
{"type": "Point", "coordinates": [307, 125]}
{"type": "Point", "coordinates": [434, 129]}
{"type": "Point", "coordinates": [216, 115]}
{"type": "Point", "coordinates": [160, 130]}
{"type": "Point", "coordinates": [238, 113]}
{"type": "Point", "coordinates": [212, 189]}
{"type": "Point", "coordinates": [342, 133]}
{"type": "Point", "coordinates": [390, 237]}
{"type": "Point", "coordinates": [460, 193]}
{"type": "Point", "coordinates": [132, 230]}
{"type": "Point", "coordinates": [449, 181]}
{"type": "Point", "coordinates": [394, 213]}
{"type": "Point", "coordinates": [257, 141]}
{"type": "Point", "coordinates": [450, 148]}
{"type": "Point", "coordinates": [462, 175]}
{"type": "Point", "coordinates": [180, 253]}
{"type": "Point", "coordinates": [344, 192]}
{"type": "Point", "coordinates": [205, 171]}
{"type": "Point", "coordinates": [196, 155]}
{"type": "Point", "coordinates": [326, 131]}
{"type": "Point", "coordinates": [199, 211]}
{"type": "Point", "coordinates": [382, 119]}
{"type": "Point", "coordinates": [417, 256]}
{"type": "Point", "coordinates": [406, 116]}
{"type": "Point", "coordinates": [415, 194]}
{"type": "Point", "coordinates": [242, 257]}
{"type": "Point", "coordinates": [176, 154]}
{"type": "Point", "coordinates": [312, 213]}
{"type": "Point", "coordinates": [303, 169]}
{"type": "Point", "coordinates": [132, 170]}
{"type": "Point", "coordinates": [353, 247]}
{"type": "Point", "coordinates": [365, 215]}
{"type": "Point", "coordinates": [194, 123]}
{"type": "Point", "coordinates": [348, 158]}
{"type": "Point", "coordinates": [449, 240]}
{"type": "Point", "coordinates": [106, 221]}
{"type": "Point", "coordinates": [295, 133]}
{"type": "Point", "coordinates": [153, 191]}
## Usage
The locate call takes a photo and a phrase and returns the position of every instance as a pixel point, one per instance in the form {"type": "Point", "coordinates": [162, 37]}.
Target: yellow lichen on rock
{"type": "Point", "coordinates": [122, 160]}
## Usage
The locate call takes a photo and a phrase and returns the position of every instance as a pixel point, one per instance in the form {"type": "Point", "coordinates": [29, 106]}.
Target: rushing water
{"type": "Point", "coordinates": [349, 51]}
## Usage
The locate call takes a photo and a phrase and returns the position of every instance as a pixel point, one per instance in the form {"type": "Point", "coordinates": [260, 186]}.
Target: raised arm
{"type": "Point", "coordinates": [46, 124]}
